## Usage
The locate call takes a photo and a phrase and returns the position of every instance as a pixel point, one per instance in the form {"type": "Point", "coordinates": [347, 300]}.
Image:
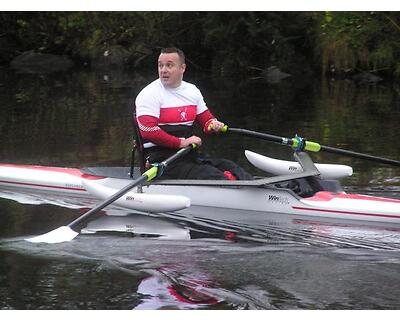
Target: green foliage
{"type": "Point", "coordinates": [226, 42]}
{"type": "Point", "coordinates": [350, 41]}
{"type": "Point", "coordinates": [237, 40]}
{"type": "Point", "coordinates": [223, 42]}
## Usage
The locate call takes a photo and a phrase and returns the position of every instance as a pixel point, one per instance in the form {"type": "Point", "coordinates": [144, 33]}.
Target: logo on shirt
{"type": "Point", "coordinates": [183, 113]}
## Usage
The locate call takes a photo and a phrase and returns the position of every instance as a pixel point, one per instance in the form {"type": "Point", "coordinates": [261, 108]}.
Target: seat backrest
{"type": "Point", "coordinates": [138, 143]}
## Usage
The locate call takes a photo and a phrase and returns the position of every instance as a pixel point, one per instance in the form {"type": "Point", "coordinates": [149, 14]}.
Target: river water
{"type": "Point", "coordinates": [166, 261]}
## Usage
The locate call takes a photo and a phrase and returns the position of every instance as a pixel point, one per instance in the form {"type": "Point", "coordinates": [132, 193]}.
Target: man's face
{"type": "Point", "coordinates": [170, 69]}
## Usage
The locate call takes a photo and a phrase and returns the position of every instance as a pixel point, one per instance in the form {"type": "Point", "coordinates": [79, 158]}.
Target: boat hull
{"type": "Point", "coordinates": [43, 178]}
{"type": "Point", "coordinates": [256, 200]}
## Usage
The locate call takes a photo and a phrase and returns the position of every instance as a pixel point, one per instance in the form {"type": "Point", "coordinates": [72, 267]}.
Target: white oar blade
{"type": "Point", "coordinates": [61, 234]}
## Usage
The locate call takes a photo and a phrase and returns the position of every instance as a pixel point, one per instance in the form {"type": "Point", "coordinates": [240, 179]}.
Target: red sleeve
{"type": "Point", "coordinates": [149, 130]}
{"type": "Point", "coordinates": [204, 119]}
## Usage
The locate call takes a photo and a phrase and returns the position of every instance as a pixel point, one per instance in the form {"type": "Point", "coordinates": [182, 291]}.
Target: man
{"type": "Point", "coordinates": [166, 110]}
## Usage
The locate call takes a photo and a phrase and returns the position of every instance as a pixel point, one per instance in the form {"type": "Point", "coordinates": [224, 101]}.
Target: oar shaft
{"type": "Point", "coordinates": [301, 144]}
{"type": "Point", "coordinates": [180, 153]}
{"type": "Point", "coordinates": [256, 134]}
{"type": "Point", "coordinates": [360, 155]}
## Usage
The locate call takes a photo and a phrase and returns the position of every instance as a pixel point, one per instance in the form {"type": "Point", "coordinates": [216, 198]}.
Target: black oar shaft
{"type": "Point", "coordinates": [256, 134]}
{"type": "Point", "coordinates": [360, 155]}
{"type": "Point", "coordinates": [180, 153]}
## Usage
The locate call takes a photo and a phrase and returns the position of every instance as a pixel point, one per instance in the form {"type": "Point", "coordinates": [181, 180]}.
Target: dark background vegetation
{"type": "Point", "coordinates": [223, 43]}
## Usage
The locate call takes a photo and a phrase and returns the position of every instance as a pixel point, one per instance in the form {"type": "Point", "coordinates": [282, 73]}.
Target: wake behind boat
{"type": "Point", "coordinates": [301, 191]}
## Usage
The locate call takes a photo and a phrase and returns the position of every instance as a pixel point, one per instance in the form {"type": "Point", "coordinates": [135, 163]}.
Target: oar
{"type": "Point", "coordinates": [301, 144]}
{"type": "Point", "coordinates": [65, 233]}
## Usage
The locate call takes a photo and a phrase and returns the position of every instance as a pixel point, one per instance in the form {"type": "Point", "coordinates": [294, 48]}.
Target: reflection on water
{"type": "Point", "coordinates": [125, 260]}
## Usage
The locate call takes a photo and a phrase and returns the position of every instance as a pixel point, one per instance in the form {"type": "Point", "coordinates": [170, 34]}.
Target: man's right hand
{"type": "Point", "coordinates": [191, 140]}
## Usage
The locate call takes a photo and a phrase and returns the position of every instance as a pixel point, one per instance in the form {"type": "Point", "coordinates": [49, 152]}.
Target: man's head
{"type": "Point", "coordinates": [171, 67]}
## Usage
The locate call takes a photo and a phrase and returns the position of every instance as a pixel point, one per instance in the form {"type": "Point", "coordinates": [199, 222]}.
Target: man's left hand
{"type": "Point", "coordinates": [215, 126]}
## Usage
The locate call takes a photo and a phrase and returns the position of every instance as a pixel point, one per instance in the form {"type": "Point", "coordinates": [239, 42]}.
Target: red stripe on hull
{"type": "Point", "coordinates": [42, 186]}
{"type": "Point", "coordinates": [347, 212]}
{"type": "Point", "coordinates": [326, 196]}
{"type": "Point", "coordinates": [71, 171]}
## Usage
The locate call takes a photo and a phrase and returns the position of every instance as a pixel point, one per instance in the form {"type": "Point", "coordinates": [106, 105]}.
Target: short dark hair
{"type": "Point", "coordinates": [174, 50]}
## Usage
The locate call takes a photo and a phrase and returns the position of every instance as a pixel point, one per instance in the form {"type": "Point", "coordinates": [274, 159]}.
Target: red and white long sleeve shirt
{"type": "Point", "coordinates": [165, 115]}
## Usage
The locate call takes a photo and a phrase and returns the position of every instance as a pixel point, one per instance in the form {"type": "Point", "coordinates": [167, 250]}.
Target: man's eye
{"type": "Point", "coordinates": [168, 65]}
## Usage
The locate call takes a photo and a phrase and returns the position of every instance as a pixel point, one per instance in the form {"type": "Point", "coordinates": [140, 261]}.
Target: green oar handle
{"type": "Point", "coordinates": [151, 173]}
{"type": "Point", "coordinates": [301, 144]}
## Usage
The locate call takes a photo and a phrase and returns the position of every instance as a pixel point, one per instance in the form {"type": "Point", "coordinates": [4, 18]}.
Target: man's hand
{"type": "Point", "coordinates": [191, 140]}
{"type": "Point", "coordinates": [215, 126]}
